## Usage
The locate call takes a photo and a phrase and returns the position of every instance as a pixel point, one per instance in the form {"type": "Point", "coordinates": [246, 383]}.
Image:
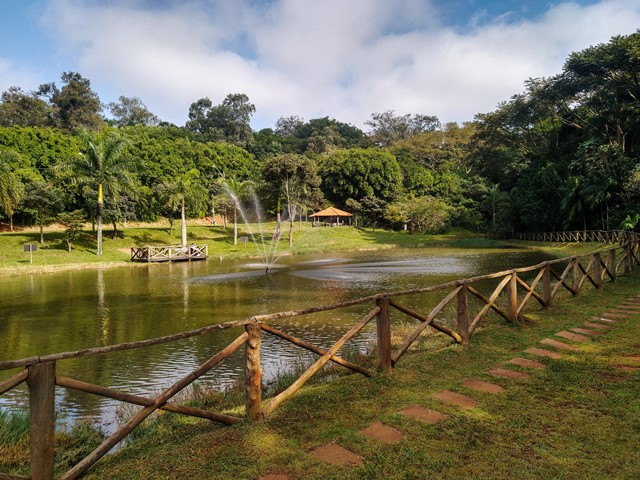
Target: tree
{"type": "Point", "coordinates": [176, 194]}
{"type": "Point", "coordinates": [388, 128]}
{"type": "Point", "coordinates": [11, 188]}
{"type": "Point", "coordinates": [289, 126]}
{"type": "Point", "coordinates": [72, 223]}
{"type": "Point", "coordinates": [292, 177]}
{"type": "Point", "coordinates": [103, 165]}
{"type": "Point", "coordinates": [76, 105]}
{"type": "Point", "coordinates": [131, 111]}
{"type": "Point", "coordinates": [228, 121]}
{"type": "Point", "coordinates": [359, 172]}
{"type": "Point", "coordinates": [45, 202]}
{"type": "Point", "coordinates": [424, 214]}
{"type": "Point", "coordinates": [23, 109]}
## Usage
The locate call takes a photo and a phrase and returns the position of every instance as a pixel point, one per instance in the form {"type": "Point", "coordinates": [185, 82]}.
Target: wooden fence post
{"type": "Point", "coordinates": [575, 275]}
{"type": "Point", "coordinates": [463, 315]}
{"type": "Point", "coordinates": [383, 322]}
{"type": "Point", "coordinates": [627, 258]}
{"type": "Point", "coordinates": [42, 385]}
{"type": "Point", "coordinates": [612, 265]}
{"type": "Point", "coordinates": [253, 377]}
{"type": "Point", "coordinates": [547, 291]}
{"type": "Point", "coordinates": [597, 270]}
{"type": "Point", "coordinates": [512, 297]}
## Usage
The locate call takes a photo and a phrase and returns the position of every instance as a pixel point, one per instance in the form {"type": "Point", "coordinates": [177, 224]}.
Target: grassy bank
{"type": "Point", "coordinates": [578, 418]}
{"type": "Point", "coordinates": [53, 255]}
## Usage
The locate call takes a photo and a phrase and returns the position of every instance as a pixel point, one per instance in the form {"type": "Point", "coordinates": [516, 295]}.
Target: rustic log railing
{"type": "Point", "coordinates": [601, 236]}
{"type": "Point", "coordinates": [169, 253]}
{"type": "Point", "coordinates": [510, 292]}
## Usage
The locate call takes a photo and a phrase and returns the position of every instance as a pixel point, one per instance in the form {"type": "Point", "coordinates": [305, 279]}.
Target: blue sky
{"type": "Point", "coordinates": [312, 58]}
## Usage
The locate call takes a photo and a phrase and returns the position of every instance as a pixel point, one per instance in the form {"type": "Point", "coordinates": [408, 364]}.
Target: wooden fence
{"type": "Point", "coordinates": [169, 253]}
{"type": "Point", "coordinates": [602, 236]}
{"type": "Point", "coordinates": [511, 292]}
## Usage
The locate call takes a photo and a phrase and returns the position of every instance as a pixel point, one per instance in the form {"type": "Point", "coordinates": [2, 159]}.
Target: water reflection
{"type": "Point", "coordinates": [82, 309]}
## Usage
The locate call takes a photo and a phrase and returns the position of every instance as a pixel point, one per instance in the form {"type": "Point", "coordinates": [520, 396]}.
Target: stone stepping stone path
{"type": "Point", "coordinates": [336, 455]}
{"type": "Point", "coordinates": [556, 344]}
{"type": "Point", "coordinates": [575, 337]}
{"type": "Point", "coordinates": [383, 433]}
{"type": "Point", "coordinates": [424, 414]}
{"type": "Point", "coordinates": [615, 315]}
{"type": "Point", "coordinates": [605, 320]}
{"type": "Point", "coordinates": [523, 362]}
{"type": "Point", "coordinates": [541, 352]}
{"type": "Point", "coordinates": [482, 386]}
{"type": "Point", "coordinates": [504, 373]}
{"type": "Point", "coordinates": [453, 398]}
{"type": "Point", "coordinates": [598, 326]}
{"type": "Point", "coordinates": [629, 308]}
{"type": "Point", "coordinates": [585, 331]}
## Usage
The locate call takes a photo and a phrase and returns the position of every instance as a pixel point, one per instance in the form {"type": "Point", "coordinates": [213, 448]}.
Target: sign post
{"type": "Point", "coordinates": [30, 247]}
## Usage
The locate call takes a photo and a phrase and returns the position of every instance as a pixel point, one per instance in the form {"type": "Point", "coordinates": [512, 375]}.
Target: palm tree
{"type": "Point", "coordinates": [102, 164]}
{"type": "Point", "coordinates": [184, 189]}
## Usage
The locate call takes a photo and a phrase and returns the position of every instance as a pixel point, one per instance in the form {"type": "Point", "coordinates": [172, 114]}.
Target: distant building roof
{"type": "Point", "coordinates": [331, 212]}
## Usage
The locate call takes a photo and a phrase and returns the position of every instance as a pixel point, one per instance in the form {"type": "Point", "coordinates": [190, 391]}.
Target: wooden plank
{"type": "Point", "coordinates": [383, 332]}
{"type": "Point", "coordinates": [530, 291]}
{"type": "Point", "coordinates": [139, 417]}
{"type": "Point", "coordinates": [13, 381]}
{"type": "Point", "coordinates": [312, 348]}
{"type": "Point", "coordinates": [489, 303]}
{"type": "Point", "coordinates": [143, 401]}
{"type": "Point", "coordinates": [317, 365]}
{"type": "Point", "coordinates": [426, 321]}
{"type": "Point", "coordinates": [462, 317]}
{"type": "Point", "coordinates": [512, 297]}
{"type": "Point", "coordinates": [561, 282]}
{"type": "Point", "coordinates": [546, 286]}
{"type": "Point", "coordinates": [253, 372]}
{"type": "Point", "coordinates": [41, 380]}
{"type": "Point", "coordinates": [6, 476]}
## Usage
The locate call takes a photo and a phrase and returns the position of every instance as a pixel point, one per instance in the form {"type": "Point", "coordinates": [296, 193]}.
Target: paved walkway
{"type": "Point", "coordinates": [550, 349]}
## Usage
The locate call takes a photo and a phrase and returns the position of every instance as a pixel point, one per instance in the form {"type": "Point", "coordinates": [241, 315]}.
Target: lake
{"type": "Point", "coordinates": [49, 313]}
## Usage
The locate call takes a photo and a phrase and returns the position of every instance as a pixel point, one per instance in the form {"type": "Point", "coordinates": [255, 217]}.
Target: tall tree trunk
{"type": "Point", "coordinates": [183, 224]}
{"type": "Point", "coordinates": [99, 212]}
{"type": "Point", "coordinates": [115, 229]}
{"type": "Point", "coordinates": [41, 222]}
{"type": "Point", "coordinates": [11, 223]}
{"type": "Point", "coordinates": [171, 225]}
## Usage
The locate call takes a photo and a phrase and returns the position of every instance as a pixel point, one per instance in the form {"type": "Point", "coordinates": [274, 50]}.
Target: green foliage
{"type": "Point", "coordinates": [425, 214]}
{"type": "Point", "coordinates": [131, 111]}
{"type": "Point", "coordinates": [388, 128]}
{"type": "Point", "coordinates": [228, 121]}
{"type": "Point", "coordinates": [14, 426]}
{"type": "Point", "coordinates": [359, 172]}
{"type": "Point", "coordinates": [72, 223]}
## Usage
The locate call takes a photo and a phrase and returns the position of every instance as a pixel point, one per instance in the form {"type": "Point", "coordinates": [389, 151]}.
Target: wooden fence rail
{"type": "Point", "coordinates": [510, 294]}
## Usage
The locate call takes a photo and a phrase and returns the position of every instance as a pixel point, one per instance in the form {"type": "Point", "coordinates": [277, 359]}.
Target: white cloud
{"type": "Point", "coordinates": [321, 57]}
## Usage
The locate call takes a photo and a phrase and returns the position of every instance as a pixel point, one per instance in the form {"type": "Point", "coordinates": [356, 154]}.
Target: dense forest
{"type": "Point", "coordinates": [561, 155]}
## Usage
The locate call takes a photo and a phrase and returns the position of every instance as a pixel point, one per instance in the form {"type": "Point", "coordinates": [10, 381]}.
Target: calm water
{"type": "Point", "coordinates": [72, 310]}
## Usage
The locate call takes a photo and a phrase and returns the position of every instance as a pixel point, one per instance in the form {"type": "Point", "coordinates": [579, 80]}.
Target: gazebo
{"type": "Point", "coordinates": [331, 216]}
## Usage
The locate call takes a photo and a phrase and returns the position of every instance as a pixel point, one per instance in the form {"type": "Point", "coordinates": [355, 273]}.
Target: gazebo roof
{"type": "Point", "coordinates": [331, 212]}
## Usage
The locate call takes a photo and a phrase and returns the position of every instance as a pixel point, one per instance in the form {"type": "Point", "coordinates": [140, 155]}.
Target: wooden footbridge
{"type": "Point", "coordinates": [508, 294]}
{"type": "Point", "coordinates": [169, 253]}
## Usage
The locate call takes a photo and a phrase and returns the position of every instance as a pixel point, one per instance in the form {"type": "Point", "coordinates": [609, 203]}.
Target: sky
{"type": "Point", "coordinates": [345, 59]}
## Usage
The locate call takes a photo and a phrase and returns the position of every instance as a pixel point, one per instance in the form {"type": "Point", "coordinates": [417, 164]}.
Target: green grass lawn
{"type": "Point", "coordinates": [578, 418]}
